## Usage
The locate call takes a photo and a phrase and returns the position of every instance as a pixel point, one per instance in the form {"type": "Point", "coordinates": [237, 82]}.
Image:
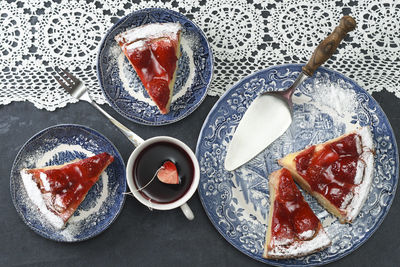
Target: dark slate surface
{"type": "Point", "coordinates": [140, 237]}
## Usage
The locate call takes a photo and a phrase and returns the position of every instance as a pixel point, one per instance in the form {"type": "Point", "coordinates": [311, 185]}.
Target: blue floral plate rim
{"type": "Point", "coordinates": [51, 233]}
{"type": "Point", "coordinates": [296, 262]}
{"type": "Point", "coordinates": [160, 118]}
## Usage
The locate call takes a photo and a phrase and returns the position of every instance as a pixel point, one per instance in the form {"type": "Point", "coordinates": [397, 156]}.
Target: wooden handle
{"type": "Point", "coordinates": [328, 46]}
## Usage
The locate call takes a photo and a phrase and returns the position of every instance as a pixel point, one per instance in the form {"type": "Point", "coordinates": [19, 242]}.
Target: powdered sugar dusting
{"type": "Point", "coordinates": [306, 234]}
{"type": "Point", "coordinates": [36, 197]}
{"type": "Point", "coordinates": [359, 172]}
{"type": "Point", "coordinates": [152, 30]}
{"type": "Point", "coordinates": [45, 182]}
{"type": "Point", "coordinates": [336, 98]}
{"type": "Point", "coordinates": [281, 241]}
{"type": "Point", "coordinates": [347, 200]}
{"type": "Point", "coordinates": [362, 190]}
{"type": "Point", "coordinates": [301, 248]}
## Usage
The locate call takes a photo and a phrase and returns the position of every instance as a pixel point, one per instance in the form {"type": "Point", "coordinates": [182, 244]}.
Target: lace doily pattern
{"type": "Point", "coordinates": [245, 36]}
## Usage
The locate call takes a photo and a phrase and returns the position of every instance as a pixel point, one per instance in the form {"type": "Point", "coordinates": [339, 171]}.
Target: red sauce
{"type": "Point", "coordinates": [71, 182]}
{"type": "Point", "coordinates": [155, 63]}
{"type": "Point", "coordinates": [291, 216]}
{"type": "Point", "coordinates": [331, 170]}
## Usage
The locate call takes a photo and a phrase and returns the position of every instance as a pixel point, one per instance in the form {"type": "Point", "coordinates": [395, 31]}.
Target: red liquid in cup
{"type": "Point", "coordinates": [150, 160]}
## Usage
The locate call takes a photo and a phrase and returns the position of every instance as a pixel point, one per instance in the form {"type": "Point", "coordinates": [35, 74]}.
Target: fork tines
{"type": "Point", "coordinates": [64, 78]}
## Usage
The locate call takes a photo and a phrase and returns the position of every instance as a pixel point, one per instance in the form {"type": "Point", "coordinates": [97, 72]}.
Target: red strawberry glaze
{"type": "Point", "coordinates": [292, 216]}
{"type": "Point", "coordinates": [165, 53]}
{"type": "Point", "coordinates": [331, 170]}
{"type": "Point", "coordinates": [155, 63]}
{"type": "Point", "coordinates": [71, 182]}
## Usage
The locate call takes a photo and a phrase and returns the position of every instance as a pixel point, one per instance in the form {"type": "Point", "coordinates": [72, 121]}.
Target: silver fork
{"type": "Point", "coordinates": [77, 89]}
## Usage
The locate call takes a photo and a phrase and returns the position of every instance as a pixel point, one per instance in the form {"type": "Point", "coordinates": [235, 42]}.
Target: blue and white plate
{"type": "Point", "coordinates": [123, 88]}
{"type": "Point", "coordinates": [58, 145]}
{"type": "Point", "coordinates": [325, 106]}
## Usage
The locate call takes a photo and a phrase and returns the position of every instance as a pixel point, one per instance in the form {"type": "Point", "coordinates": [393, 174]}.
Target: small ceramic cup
{"type": "Point", "coordinates": [180, 202]}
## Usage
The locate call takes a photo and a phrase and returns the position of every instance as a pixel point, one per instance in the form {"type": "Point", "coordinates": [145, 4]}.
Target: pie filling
{"type": "Point", "coordinates": [331, 171]}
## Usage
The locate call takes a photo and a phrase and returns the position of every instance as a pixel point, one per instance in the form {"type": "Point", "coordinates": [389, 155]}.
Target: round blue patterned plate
{"type": "Point", "coordinates": [58, 145]}
{"type": "Point", "coordinates": [325, 106]}
{"type": "Point", "coordinates": [123, 88]}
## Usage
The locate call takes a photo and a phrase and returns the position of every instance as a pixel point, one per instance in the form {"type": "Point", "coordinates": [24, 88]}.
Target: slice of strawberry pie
{"type": "Point", "coordinates": [338, 173]}
{"type": "Point", "coordinates": [293, 228]}
{"type": "Point", "coordinates": [58, 190]}
{"type": "Point", "coordinates": [153, 50]}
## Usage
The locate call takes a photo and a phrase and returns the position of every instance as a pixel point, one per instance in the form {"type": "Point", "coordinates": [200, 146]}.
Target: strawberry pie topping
{"type": "Point", "coordinates": [331, 171]}
{"type": "Point", "coordinates": [292, 217]}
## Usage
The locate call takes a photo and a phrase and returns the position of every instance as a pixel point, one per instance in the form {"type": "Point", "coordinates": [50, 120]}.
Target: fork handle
{"type": "Point", "coordinates": [134, 138]}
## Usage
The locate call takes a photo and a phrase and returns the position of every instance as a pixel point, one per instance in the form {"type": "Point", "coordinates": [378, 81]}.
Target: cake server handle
{"type": "Point", "coordinates": [328, 46]}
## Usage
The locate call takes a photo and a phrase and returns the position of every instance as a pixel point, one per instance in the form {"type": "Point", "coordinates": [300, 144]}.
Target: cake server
{"type": "Point", "coordinates": [270, 114]}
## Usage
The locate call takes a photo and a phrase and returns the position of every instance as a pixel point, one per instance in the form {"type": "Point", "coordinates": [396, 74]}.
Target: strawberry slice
{"type": "Point", "coordinates": [168, 173]}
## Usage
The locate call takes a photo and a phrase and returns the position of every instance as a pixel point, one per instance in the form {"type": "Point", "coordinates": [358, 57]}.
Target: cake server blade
{"type": "Point", "coordinates": [270, 114]}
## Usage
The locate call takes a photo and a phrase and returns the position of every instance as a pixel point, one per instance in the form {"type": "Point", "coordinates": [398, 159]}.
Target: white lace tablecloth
{"type": "Point", "coordinates": [245, 36]}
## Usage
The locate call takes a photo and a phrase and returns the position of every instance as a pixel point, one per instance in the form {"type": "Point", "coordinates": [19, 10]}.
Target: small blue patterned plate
{"type": "Point", "coordinates": [325, 106]}
{"type": "Point", "coordinates": [123, 88]}
{"type": "Point", "coordinates": [58, 145]}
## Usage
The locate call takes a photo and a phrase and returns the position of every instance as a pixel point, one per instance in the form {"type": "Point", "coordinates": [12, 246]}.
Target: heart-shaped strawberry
{"type": "Point", "coordinates": [168, 173]}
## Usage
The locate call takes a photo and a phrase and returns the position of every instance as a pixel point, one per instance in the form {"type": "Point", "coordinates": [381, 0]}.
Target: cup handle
{"type": "Point", "coordinates": [187, 211]}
